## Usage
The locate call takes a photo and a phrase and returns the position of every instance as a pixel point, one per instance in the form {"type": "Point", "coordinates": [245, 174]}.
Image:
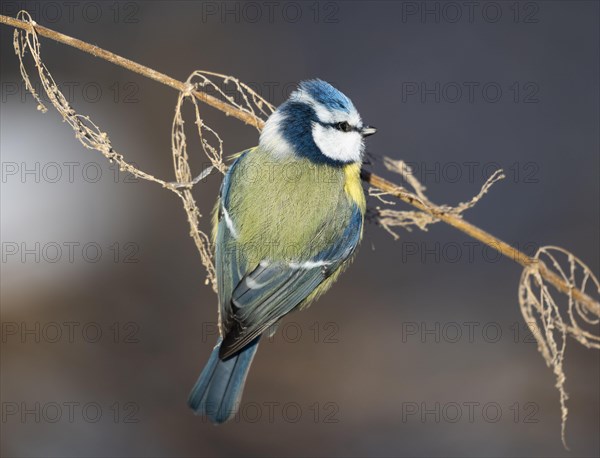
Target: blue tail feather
{"type": "Point", "coordinates": [218, 391]}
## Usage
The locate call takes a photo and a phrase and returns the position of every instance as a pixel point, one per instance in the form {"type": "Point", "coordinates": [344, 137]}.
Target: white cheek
{"type": "Point", "coordinates": [271, 139]}
{"type": "Point", "coordinates": [338, 145]}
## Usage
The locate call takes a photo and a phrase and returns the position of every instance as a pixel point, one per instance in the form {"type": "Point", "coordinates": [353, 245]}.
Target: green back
{"type": "Point", "coordinates": [287, 209]}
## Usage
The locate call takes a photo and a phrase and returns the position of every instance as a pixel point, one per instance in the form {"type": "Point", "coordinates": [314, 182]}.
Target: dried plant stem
{"type": "Point", "coordinates": [380, 183]}
{"type": "Point", "coordinates": [134, 67]}
{"type": "Point", "coordinates": [483, 236]}
{"type": "Point", "coordinates": [451, 219]}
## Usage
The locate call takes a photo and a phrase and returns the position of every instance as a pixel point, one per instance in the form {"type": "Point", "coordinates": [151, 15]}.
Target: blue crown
{"type": "Point", "coordinates": [326, 95]}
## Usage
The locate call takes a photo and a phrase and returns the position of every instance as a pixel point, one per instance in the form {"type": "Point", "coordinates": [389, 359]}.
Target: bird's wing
{"type": "Point", "coordinates": [274, 288]}
{"type": "Point", "coordinates": [230, 265]}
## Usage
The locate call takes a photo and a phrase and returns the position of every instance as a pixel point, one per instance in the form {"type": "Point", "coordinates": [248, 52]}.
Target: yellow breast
{"type": "Point", "coordinates": [353, 187]}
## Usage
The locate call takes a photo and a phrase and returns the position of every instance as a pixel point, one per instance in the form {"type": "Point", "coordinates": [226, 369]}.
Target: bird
{"type": "Point", "coordinates": [287, 222]}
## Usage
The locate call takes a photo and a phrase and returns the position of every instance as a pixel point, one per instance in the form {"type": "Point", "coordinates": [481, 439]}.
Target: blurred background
{"type": "Point", "coordinates": [419, 350]}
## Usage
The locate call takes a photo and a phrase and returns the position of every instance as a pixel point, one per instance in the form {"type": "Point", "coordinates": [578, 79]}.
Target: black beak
{"type": "Point", "coordinates": [367, 130]}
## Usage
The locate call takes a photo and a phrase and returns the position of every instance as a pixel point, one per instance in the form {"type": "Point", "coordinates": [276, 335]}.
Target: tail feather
{"type": "Point", "coordinates": [218, 391]}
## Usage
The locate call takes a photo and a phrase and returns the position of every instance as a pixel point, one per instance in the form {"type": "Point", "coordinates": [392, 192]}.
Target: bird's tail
{"type": "Point", "coordinates": [218, 391]}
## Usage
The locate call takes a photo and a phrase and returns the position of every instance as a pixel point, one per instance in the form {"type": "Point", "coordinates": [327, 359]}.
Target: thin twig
{"type": "Point", "coordinates": [374, 180]}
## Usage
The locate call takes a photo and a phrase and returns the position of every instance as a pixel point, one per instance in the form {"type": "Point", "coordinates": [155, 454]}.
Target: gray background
{"type": "Point", "coordinates": [341, 391]}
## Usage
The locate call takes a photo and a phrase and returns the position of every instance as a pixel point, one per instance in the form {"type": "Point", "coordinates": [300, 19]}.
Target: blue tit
{"type": "Point", "coordinates": [289, 217]}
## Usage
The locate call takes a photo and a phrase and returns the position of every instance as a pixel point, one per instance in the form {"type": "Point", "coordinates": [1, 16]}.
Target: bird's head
{"type": "Point", "coordinates": [319, 123]}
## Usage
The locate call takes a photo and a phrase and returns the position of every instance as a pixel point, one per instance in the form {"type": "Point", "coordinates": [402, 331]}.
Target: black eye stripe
{"type": "Point", "coordinates": [338, 126]}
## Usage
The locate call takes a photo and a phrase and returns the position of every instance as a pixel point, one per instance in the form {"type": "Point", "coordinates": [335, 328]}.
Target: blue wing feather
{"type": "Point", "coordinates": [273, 289]}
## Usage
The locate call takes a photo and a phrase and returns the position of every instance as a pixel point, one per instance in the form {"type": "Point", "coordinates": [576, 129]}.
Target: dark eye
{"type": "Point", "coordinates": [343, 126]}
